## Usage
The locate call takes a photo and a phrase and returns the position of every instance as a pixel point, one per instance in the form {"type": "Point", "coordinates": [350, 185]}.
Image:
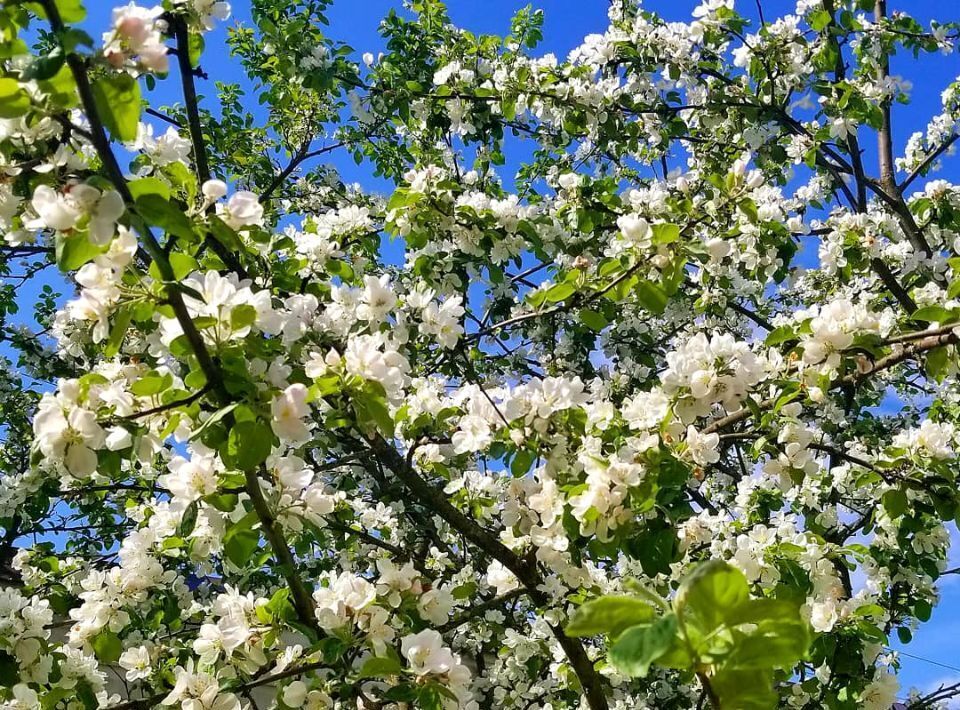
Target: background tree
{"type": "Point", "coordinates": [591, 435]}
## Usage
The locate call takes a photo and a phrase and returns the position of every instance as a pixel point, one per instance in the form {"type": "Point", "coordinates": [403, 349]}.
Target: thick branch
{"type": "Point", "coordinates": [211, 369]}
{"type": "Point", "coordinates": [916, 348]}
{"type": "Point", "coordinates": [191, 102]}
{"type": "Point", "coordinates": [525, 570]}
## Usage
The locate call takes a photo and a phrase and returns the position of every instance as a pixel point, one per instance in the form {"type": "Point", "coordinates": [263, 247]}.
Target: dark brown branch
{"type": "Point", "coordinates": [477, 610]}
{"type": "Point", "coordinates": [925, 164]}
{"type": "Point", "coordinates": [191, 102]}
{"type": "Point", "coordinates": [302, 600]}
{"type": "Point", "coordinates": [900, 354]}
{"type": "Point", "coordinates": [525, 570]}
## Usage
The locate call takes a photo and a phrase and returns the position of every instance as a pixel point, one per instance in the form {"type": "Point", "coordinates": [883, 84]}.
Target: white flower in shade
{"type": "Point", "coordinates": [881, 693]}
{"type": "Point", "coordinates": [647, 410]}
{"type": "Point", "coordinates": [930, 438]}
{"type": "Point", "coordinates": [842, 127]}
{"type": "Point", "coordinates": [190, 479]}
{"type": "Point", "coordinates": [635, 230]}
{"type": "Point", "coordinates": [372, 357]}
{"type": "Point", "coordinates": [242, 210]}
{"type": "Point", "coordinates": [207, 10]}
{"type": "Point", "coordinates": [394, 580]}
{"type": "Point", "coordinates": [63, 211]}
{"type": "Point", "coordinates": [339, 602]}
{"type": "Point", "coordinates": [169, 148]}
{"type": "Point", "coordinates": [426, 653]}
{"type": "Point", "coordinates": [288, 411]}
{"type": "Point", "coordinates": [824, 615]}
{"type": "Point", "coordinates": [199, 691]}
{"type": "Point", "coordinates": [292, 473]}
{"type": "Point", "coordinates": [24, 698]}
{"type": "Point", "coordinates": [72, 436]}
{"type": "Point", "coordinates": [210, 644]}
{"type": "Point", "coordinates": [118, 439]}
{"type": "Point", "coordinates": [378, 299]}
{"type": "Point", "coordinates": [472, 434]}
{"type": "Point", "coordinates": [703, 447]}
{"type": "Point", "coordinates": [137, 32]}
{"type": "Point", "coordinates": [136, 662]}
{"type": "Point", "coordinates": [501, 579]}
{"type": "Point", "coordinates": [435, 605]}
{"type": "Point", "coordinates": [319, 502]}
{"type": "Point", "coordinates": [54, 209]}
{"type": "Point", "coordinates": [443, 321]}
{"type": "Point", "coordinates": [213, 190]}
{"type": "Point", "coordinates": [295, 694]}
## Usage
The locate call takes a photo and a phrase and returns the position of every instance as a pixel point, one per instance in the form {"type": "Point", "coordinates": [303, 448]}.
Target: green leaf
{"type": "Point", "coordinates": [162, 213]}
{"type": "Point", "coordinates": [594, 320]}
{"type": "Point", "coordinates": [151, 385]}
{"type": "Point", "coordinates": [9, 670]}
{"type": "Point", "coordinates": [225, 502]}
{"type": "Point", "coordinates": [380, 667]}
{"type": "Point", "coordinates": [74, 251]}
{"type": "Point", "coordinates": [183, 265]}
{"type": "Point", "coordinates": [223, 234]}
{"type": "Point", "coordinates": [674, 274]}
{"type": "Point", "coordinates": [933, 314]}
{"type": "Point", "coordinates": [84, 692]}
{"type": "Point", "coordinates": [609, 615]}
{"type": "Point", "coordinates": [651, 296]}
{"type": "Point", "coordinates": [749, 208]}
{"type": "Point", "coordinates": [243, 316]}
{"type": "Point", "coordinates": [61, 88]}
{"type": "Point", "coordinates": [70, 10]}
{"type": "Point", "coordinates": [213, 419]}
{"type": "Point", "coordinates": [776, 636]}
{"type": "Point", "coordinates": [189, 520]}
{"type": "Point", "coordinates": [44, 67]}
{"type": "Point", "coordinates": [771, 645]}
{"type": "Point", "coordinates": [521, 462]}
{"type": "Point", "coordinates": [937, 363]}
{"type": "Point", "coordinates": [560, 292]}
{"type": "Point", "coordinates": [654, 548]}
{"type": "Point", "coordinates": [195, 47]}
{"type": "Point", "coordinates": [709, 595]}
{"type": "Point", "coordinates": [241, 540]}
{"type": "Point", "coordinates": [665, 233]}
{"type": "Point", "coordinates": [639, 646]}
{"type": "Point", "coordinates": [465, 591]}
{"type": "Point", "coordinates": [149, 186]}
{"type": "Point", "coordinates": [121, 322]}
{"type": "Point", "coordinates": [778, 336]}
{"type": "Point", "coordinates": [279, 605]}
{"type": "Point", "coordinates": [248, 445]}
{"type": "Point", "coordinates": [51, 698]}
{"type": "Point", "coordinates": [745, 690]}
{"type": "Point", "coordinates": [337, 267]}
{"type": "Point", "coordinates": [372, 412]}
{"type": "Point", "coordinates": [117, 97]}
{"type": "Point", "coordinates": [894, 502]}
{"type": "Point", "coordinates": [14, 101]}
{"type": "Point", "coordinates": [107, 646]}
{"type": "Point", "coordinates": [819, 19]}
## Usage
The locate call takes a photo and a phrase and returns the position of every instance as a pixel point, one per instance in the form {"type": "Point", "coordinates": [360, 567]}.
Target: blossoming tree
{"type": "Point", "coordinates": [663, 415]}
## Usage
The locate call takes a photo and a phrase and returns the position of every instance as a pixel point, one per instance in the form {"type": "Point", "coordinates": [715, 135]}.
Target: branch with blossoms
{"type": "Point", "coordinates": [664, 417]}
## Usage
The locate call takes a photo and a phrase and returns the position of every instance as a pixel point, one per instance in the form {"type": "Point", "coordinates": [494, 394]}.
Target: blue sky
{"type": "Point", "coordinates": [567, 22]}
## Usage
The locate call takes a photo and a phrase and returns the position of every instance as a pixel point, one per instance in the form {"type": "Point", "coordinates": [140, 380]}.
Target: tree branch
{"type": "Point", "coordinates": [302, 599]}
{"type": "Point", "coordinates": [525, 570]}
{"type": "Point", "coordinates": [191, 102]}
